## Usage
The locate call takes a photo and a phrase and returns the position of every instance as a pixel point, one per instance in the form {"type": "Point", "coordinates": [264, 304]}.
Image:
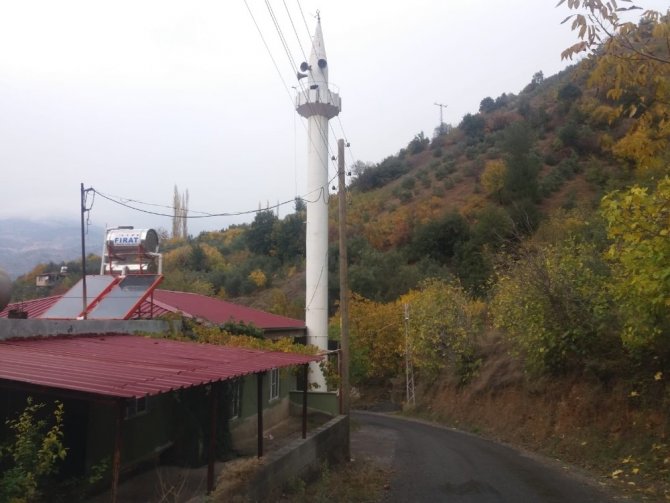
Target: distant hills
{"type": "Point", "coordinates": [26, 243]}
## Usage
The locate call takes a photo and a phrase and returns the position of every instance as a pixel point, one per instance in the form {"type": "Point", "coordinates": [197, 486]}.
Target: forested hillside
{"type": "Point", "coordinates": [529, 244]}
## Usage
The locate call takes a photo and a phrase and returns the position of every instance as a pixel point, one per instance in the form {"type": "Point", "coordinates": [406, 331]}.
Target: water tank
{"type": "Point", "coordinates": [5, 289]}
{"type": "Point", "coordinates": [129, 243]}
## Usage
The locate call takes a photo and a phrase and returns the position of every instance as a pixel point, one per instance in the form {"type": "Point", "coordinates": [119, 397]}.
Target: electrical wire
{"type": "Point", "coordinates": [282, 38]}
{"type": "Point", "coordinates": [304, 20]}
{"type": "Point", "coordinates": [274, 62]}
{"type": "Point", "coordinates": [320, 193]}
{"type": "Point", "coordinates": [316, 287]}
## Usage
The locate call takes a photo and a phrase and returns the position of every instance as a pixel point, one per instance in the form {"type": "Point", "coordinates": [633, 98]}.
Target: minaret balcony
{"type": "Point", "coordinates": [316, 100]}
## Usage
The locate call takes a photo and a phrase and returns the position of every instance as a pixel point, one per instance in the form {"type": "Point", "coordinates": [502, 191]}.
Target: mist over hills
{"type": "Point", "coordinates": [25, 243]}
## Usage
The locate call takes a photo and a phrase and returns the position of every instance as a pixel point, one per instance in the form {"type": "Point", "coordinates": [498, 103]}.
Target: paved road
{"type": "Point", "coordinates": [431, 464]}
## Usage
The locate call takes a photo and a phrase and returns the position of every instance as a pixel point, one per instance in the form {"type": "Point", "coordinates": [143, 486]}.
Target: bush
{"type": "Point", "coordinates": [408, 183]}
{"type": "Point", "coordinates": [33, 454]}
{"type": "Point", "coordinates": [386, 171]}
{"type": "Point", "coordinates": [418, 144]}
{"type": "Point", "coordinates": [554, 307]}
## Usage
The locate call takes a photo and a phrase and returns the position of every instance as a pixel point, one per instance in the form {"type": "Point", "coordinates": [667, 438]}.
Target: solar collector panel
{"type": "Point", "coordinates": [70, 305]}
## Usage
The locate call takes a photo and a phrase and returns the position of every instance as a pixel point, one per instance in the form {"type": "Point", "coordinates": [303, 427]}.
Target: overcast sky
{"type": "Point", "coordinates": [134, 96]}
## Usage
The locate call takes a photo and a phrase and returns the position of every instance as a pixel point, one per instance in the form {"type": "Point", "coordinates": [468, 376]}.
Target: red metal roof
{"type": "Point", "coordinates": [129, 366]}
{"type": "Point", "coordinates": [220, 311]}
{"type": "Point", "coordinates": [35, 307]}
{"type": "Point", "coordinates": [190, 304]}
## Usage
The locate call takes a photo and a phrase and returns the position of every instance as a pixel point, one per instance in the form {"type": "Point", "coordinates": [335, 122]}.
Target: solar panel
{"type": "Point", "coordinates": [70, 305]}
{"type": "Point", "coordinates": [120, 302]}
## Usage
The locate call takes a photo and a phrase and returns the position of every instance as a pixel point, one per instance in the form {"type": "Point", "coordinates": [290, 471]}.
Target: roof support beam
{"type": "Point", "coordinates": [259, 382]}
{"type": "Point", "coordinates": [213, 409]}
{"type": "Point", "coordinates": [305, 385]}
{"type": "Point", "coordinates": [116, 458]}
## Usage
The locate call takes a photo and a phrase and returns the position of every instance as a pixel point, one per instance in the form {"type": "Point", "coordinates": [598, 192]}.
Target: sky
{"type": "Point", "coordinates": [133, 97]}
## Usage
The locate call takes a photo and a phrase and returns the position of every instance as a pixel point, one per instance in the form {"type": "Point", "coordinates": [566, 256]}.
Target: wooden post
{"type": "Point", "coordinates": [344, 284]}
{"type": "Point", "coordinates": [259, 382]}
{"type": "Point", "coordinates": [213, 402]}
{"type": "Point", "coordinates": [305, 383]}
{"type": "Point", "coordinates": [118, 439]}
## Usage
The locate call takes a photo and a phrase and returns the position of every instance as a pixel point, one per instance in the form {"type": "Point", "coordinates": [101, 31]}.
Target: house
{"type": "Point", "coordinates": [134, 399]}
{"type": "Point", "coordinates": [131, 398]}
{"type": "Point", "coordinates": [190, 305]}
{"type": "Point", "coordinates": [47, 279]}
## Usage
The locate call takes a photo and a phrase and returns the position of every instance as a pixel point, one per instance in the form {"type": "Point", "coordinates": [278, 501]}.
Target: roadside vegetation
{"type": "Point", "coordinates": [520, 259]}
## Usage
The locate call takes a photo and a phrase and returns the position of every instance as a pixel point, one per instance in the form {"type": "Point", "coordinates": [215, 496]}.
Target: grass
{"type": "Point", "coordinates": [359, 481]}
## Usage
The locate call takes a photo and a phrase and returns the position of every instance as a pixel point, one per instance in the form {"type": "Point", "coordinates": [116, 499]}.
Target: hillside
{"type": "Point", "coordinates": [519, 260]}
{"type": "Point", "coordinates": [25, 243]}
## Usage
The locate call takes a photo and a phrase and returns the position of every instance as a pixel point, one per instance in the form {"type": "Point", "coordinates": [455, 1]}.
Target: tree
{"type": "Point", "coordinates": [487, 105]}
{"type": "Point", "coordinates": [638, 223]}
{"type": "Point", "coordinates": [184, 214]}
{"type": "Point", "coordinates": [632, 64]}
{"type": "Point", "coordinates": [259, 236]}
{"type": "Point", "coordinates": [377, 345]}
{"type": "Point", "coordinates": [443, 323]}
{"type": "Point", "coordinates": [418, 143]}
{"type": "Point", "coordinates": [472, 125]}
{"type": "Point", "coordinates": [176, 208]}
{"type": "Point", "coordinates": [553, 305]}
{"type": "Point", "coordinates": [493, 178]}
{"type": "Point", "coordinates": [523, 165]}
{"type": "Point", "coordinates": [180, 214]}
{"type": "Point", "coordinates": [599, 23]}
{"type": "Point", "coordinates": [439, 239]}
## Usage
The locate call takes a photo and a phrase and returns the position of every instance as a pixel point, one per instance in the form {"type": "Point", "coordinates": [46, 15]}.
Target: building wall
{"type": "Point", "coordinates": [173, 428]}
{"type": "Point", "coordinates": [144, 436]}
{"type": "Point", "coordinates": [244, 429]}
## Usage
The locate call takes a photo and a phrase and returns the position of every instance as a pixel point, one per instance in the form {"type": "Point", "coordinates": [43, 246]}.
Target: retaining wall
{"type": "Point", "coordinates": [301, 458]}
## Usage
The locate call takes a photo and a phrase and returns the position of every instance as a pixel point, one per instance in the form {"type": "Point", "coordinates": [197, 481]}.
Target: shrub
{"type": "Point", "coordinates": [34, 453]}
{"type": "Point", "coordinates": [408, 183]}
{"type": "Point", "coordinates": [555, 310]}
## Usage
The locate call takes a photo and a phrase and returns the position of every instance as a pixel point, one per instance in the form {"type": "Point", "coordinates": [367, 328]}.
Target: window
{"type": "Point", "coordinates": [136, 407]}
{"type": "Point", "coordinates": [274, 384]}
{"type": "Point", "coordinates": [235, 398]}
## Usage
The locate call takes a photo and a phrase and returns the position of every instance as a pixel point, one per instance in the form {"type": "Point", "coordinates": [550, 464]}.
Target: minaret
{"type": "Point", "coordinates": [318, 105]}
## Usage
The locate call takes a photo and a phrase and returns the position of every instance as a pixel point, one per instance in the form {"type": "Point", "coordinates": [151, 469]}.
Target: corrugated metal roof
{"type": "Point", "coordinates": [190, 304]}
{"type": "Point", "coordinates": [129, 366]}
{"type": "Point", "coordinates": [35, 307]}
{"type": "Point", "coordinates": [220, 311]}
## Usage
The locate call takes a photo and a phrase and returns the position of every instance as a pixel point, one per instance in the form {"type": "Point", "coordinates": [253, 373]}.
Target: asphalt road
{"type": "Point", "coordinates": [432, 463]}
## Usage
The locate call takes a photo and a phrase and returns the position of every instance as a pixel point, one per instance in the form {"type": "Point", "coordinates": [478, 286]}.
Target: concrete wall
{"type": "Point", "coordinates": [327, 402]}
{"type": "Point", "coordinates": [12, 328]}
{"type": "Point", "coordinates": [301, 458]}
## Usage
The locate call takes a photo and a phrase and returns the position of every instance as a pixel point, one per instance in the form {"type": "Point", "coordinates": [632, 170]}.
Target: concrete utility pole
{"type": "Point", "coordinates": [318, 105]}
{"type": "Point", "coordinates": [344, 282]}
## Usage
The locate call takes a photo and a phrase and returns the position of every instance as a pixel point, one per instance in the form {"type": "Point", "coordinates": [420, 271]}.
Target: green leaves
{"type": "Point", "coordinates": [638, 224]}
{"type": "Point", "coordinates": [35, 452]}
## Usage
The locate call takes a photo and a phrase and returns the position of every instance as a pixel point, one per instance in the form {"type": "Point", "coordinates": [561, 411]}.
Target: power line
{"type": "Point", "coordinates": [304, 55]}
{"type": "Point", "coordinates": [282, 38]}
{"type": "Point", "coordinates": [303, 18]}
{"type": "Point", "coordinates": [274, 62]}
{"type": "Point", "coordinates": [317, 194]}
